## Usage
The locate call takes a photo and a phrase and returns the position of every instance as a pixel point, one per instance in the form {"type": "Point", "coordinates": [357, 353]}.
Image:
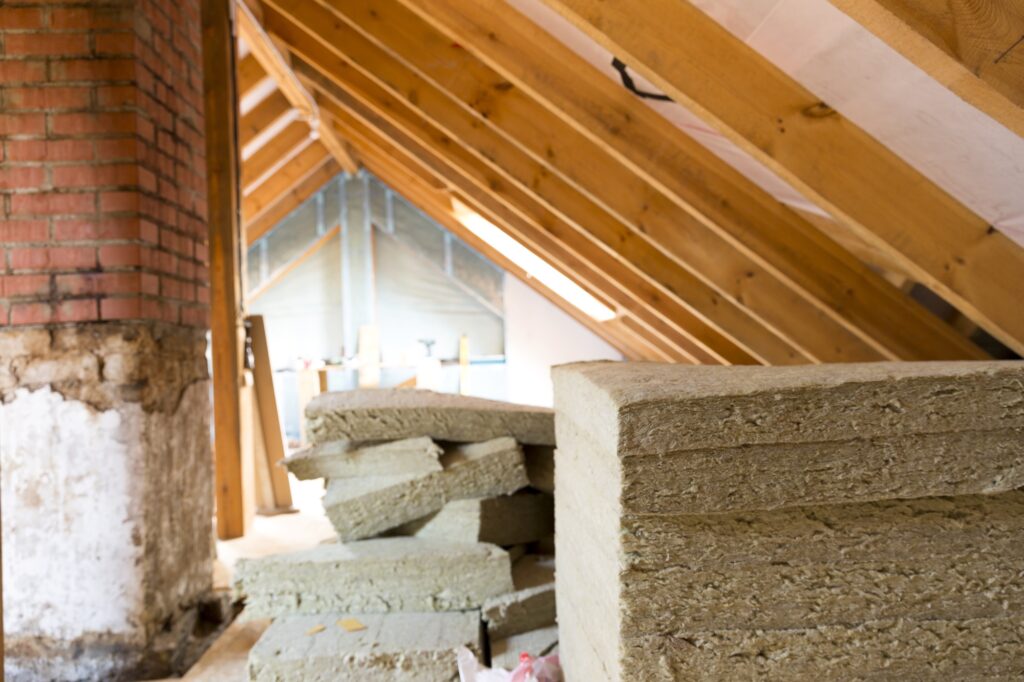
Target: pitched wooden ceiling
{"type": "Point", "coordinates": [470, 101]}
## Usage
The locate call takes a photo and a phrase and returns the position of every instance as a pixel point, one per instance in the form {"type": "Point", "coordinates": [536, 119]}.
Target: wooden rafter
{"type": "Point", "coordinates": [291, 198]}
{"type": "Point", "coordinates": [830, 160]}
{"type": "Point", "coordinates": [540, 231]}
{"type": "Point", "coordinates": [266, 195]}
{"type": "Point", "coordinates": [262, 117]}
{"type": "Point", "coordinates": [274, 63]}
{"type": "Point", "coordinates": [275, 154]}
{"type": "Point", "coordinates": [974, 48]}
{"type": "Point", "coordinates": [250, 74]}
{"type": "Point", "coordinates": [563, 165]}
{"type": "Point", "coordinates": [725, 329]}
{"type": "Point", "coordinates": [689, 200]}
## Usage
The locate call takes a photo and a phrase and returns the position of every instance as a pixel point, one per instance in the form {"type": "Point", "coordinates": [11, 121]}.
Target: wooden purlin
{"type": "Point", "coordinates": [261, 199]}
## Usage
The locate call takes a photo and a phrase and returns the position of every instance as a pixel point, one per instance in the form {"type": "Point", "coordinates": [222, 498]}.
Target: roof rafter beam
{"type": "Point", "coordinates": [529, 224]}
{"type": "Point", "coordinates": [834, 163]}
{"type": "Point", "coordinates": [259, 201]}
{"type": "Point", "coordinates": [274, 155]}
{"type": "Point", "coordinates": [714, 209]}
{"type": "Point", "coordinates": [383, 163]}
{"type": "Point", "coordinates": [973, 48]}
{"type": "Point", "coordinates": [725, 329]}
{"type": "Point", "coordinates": [581, 165]}
{"type": "Point", "coordinates": [290, 198]}
{"type": "Point", "coordinates": [274, 63]}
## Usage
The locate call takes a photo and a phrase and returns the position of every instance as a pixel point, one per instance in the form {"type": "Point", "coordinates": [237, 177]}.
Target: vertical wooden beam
{"type": "Point", "coordinates": [227, 335]}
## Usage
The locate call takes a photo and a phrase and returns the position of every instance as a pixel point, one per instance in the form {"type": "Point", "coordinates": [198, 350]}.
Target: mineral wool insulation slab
{"type": "Point", "coordinates": [530, 606]}
{"type": "Point", "coordinates": [364, 507]}
{"type": "Point", "coordinates": [393, 414]}
{"type": "Point", "coordinates": [504, 520]}
{"type": "Point", "coordinates": [374, 576]}
{"type": "Point", "coordinates": [391, 647]}
{"type": "Point", "coordinates": [793, 523]}
{"type": "Point", "coordinates": [348, 459]}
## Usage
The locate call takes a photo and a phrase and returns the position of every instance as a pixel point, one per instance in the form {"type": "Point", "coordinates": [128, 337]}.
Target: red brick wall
{"type": "Point", "coordinates": [102, 187]}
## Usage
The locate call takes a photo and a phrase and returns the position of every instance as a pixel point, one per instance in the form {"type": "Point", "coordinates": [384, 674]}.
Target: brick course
{"type": "Point", "coordinates": [102, 189]}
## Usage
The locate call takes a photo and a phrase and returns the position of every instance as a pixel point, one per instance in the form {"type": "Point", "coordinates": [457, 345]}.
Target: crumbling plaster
{"type": "Point", "coordinates": [107, 490]}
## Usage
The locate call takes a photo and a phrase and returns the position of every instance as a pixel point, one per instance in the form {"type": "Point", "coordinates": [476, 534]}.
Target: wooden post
{"type": "Point", "coordinates": [227, 335]}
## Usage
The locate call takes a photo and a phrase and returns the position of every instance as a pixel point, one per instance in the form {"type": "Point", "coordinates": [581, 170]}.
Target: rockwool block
{"type": "Point", "coordinates": [374, 576]}
{"type": "Point", "coordinates": [367, 506]}
{"type": "Point", "coordinates": [790, 523]}
{"type": "Point", "coordinates": [641, 408]}
{"type": "Point", "coordinates": [390, 414]}
{"type": "Point", "coordinates": [349, 459]}
{"type": "Point", "coordinates": [540, 467]}
{"type": "Point", "coordinates": [391, 647]}
{"type": "Point", "coordinates": [532, 603]}
{"type": "Point", "coordinates": [505, 520]}
{"type": "Point", "coordinates": [541, 642]}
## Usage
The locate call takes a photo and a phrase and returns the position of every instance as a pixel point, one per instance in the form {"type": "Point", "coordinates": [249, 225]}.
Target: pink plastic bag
{"type": "Point", "coordinates": [530, 669]}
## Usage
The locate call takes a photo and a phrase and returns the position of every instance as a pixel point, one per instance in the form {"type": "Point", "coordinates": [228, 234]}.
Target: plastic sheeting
{"type": "Point", "coordinates": [959, 148]}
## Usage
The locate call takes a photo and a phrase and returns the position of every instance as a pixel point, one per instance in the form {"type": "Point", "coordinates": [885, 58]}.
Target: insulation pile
{"type": "Point", "coordinates": [811, 523]}
{"type": "Point", "coordinates": [444, 512]}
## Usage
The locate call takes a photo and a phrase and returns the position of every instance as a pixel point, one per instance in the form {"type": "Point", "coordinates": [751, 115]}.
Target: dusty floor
{"type": "Point", "coordinates": [225, 661]}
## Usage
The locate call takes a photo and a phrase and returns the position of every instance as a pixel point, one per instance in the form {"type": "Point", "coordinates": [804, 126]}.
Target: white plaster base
{"type": "Point", "coordinates": [107, 531]}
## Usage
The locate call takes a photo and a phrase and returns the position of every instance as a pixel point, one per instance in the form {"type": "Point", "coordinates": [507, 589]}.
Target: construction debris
{"type": "Point", "coordinates": [374, 576]}
{"type": "Point", "coordinates": [542, 642]}
{"type": "Point", "coordinates": [394, 414]}
{"type": "Point", "coordinates": [723, 523]}
{"type": "Point", "coordinates": [392, 646]}
{"type": "Point", "coordinates": [348, 459]}
{"type": "Point", "coordinates": [364, 507]}
{"type": "Point", "coordinates": [505, 520]}
{"type": "Point", "coordinates": [530, 606]}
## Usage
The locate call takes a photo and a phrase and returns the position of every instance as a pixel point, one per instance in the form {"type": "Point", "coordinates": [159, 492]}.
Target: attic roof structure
{"type": "Point", "coordinates": [738, 194]}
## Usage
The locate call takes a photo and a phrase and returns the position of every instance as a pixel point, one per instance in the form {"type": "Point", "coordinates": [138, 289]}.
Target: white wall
{"type": "Point", "coordinates": [539, 335]}
{"type": "Point", "coordinates": [302, 313]}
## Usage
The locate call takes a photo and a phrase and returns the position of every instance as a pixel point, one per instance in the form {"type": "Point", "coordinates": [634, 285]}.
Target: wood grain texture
{"type": "Point", "coordinates": [227, 335]}
{"type": "Point", "coordinates": [608, 285]}
{"type": "Point", "coordinates": [822, 154]}
{"type": "Point", "coordinates": [291, 198]}
{"type": "Point", "coordinates": [729, 213]}
{"type": "Point", "coordinates": [269, 418]}
{"type": "Point", "coordinates": [724, 328]}
{"type": "Point", "coordinates": [973, 47]}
